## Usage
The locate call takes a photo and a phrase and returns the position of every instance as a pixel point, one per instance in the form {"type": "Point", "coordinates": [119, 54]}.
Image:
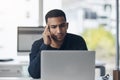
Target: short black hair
{"type": "Point", "coordinates": [55, 13]}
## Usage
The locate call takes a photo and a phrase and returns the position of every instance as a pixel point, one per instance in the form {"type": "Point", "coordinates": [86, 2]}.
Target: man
{"type": "Point", "coordinates": [55, 37]}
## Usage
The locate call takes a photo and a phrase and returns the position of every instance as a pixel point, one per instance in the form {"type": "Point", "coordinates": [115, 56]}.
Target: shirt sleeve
{"type": "Point", "coordinates": [34, 65]}
{"type": "Point", "coordinates": [83, 44]}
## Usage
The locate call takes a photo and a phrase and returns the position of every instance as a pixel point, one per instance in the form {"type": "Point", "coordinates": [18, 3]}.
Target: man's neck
{"type": "Point", "coordinates": [56, 44]}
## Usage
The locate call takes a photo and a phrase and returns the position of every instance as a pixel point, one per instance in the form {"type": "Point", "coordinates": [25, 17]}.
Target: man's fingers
{"type": "Point", "coordinates": [46, 31]}
{"type": "Point", "coordinates": [46, 28]}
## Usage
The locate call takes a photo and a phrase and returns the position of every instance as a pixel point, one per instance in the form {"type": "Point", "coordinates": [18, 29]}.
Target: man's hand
{"type": "Point", "coordinates": [46, 36]}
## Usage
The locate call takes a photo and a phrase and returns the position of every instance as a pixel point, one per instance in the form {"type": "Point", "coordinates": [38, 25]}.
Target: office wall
{"type": "Point", "coordinates": [14, 13]}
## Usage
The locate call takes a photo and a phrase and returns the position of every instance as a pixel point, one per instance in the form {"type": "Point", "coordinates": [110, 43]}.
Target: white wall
{"type": "Point", "coordinates": [8, 23]}
{"type": "Point", "coordinates": [50, 4]}
{"type": "Point", "coordinates": [14, 13]}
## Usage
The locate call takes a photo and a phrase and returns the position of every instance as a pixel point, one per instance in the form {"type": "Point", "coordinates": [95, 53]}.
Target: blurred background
{"type": "Point", "coordinates": [95, 20]}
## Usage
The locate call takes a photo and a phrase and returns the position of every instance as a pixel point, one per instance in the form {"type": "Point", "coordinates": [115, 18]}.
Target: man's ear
{"type": "Point", "coordinates": [67, 25]}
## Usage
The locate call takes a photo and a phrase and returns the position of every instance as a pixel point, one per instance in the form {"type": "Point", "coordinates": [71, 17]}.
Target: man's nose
{"type": "Point", "coordinates": [58, 30]}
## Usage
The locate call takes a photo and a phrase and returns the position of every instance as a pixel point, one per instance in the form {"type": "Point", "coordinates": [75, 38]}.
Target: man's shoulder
{"type": "Point", "coordinates": [70, 35]}
{"type": "Point", "coordinates": [38, 42]}
{"type": "Point", "coordinates": [76, 42]}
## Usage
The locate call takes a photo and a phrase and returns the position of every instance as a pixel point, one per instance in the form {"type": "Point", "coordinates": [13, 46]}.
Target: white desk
{"type": "Point", "coordinates": [24, 60]}
{"type": "Point", "coordinates": [21, 78]}
{"type": "Point", "coordinates": [21, 61]}
{"type": "Point", "coordinates": [8, 69]}
{"type": "Point", "coordinates": [16, 78]}
{"type": "Point", "coordinates": [14, 68]}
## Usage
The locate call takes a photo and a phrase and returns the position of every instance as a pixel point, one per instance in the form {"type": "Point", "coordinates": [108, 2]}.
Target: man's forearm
{"type": "Point", "coordinates": [35, 59]}
{"type": "Point", "coordinates": [34, 67]}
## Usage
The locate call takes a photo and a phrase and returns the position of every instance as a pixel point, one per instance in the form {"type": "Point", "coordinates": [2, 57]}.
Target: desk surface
{"type": "Point", "coordinates": [24, 60]}
{"type": "Point", "coordinates": [22, 78]}
{"type": "Point", "coordinates": [16, 78]}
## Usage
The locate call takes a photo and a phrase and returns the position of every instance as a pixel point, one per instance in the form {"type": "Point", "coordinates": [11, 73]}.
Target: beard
{"type": "Point", "coordinates": [59, 37]}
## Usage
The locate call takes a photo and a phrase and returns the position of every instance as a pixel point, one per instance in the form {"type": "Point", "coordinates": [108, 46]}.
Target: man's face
{"type": "Point", "coordinates": [58, 28]}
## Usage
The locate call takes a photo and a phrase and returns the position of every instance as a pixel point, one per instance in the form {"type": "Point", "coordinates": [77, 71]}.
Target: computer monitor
{"type": "Point", "coordinates": [25, 38]}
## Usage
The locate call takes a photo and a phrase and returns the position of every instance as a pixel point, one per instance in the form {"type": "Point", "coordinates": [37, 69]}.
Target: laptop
{"type": "Point", "coordinates": [67, 65]}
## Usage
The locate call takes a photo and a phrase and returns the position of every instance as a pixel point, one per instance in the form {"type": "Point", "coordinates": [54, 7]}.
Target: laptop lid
{"type": "Point", "coordinates": [67, 65]}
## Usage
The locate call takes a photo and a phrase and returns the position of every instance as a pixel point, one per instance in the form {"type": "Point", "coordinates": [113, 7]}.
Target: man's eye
{"type": "Point", "coordinates": [62, 25]}
{"type": "Point", "coordinates": [53, 26]}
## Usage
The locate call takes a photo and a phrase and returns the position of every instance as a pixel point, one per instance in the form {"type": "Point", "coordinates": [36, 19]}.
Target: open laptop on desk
{"type": "Point", "coordinates": [67, 65]}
